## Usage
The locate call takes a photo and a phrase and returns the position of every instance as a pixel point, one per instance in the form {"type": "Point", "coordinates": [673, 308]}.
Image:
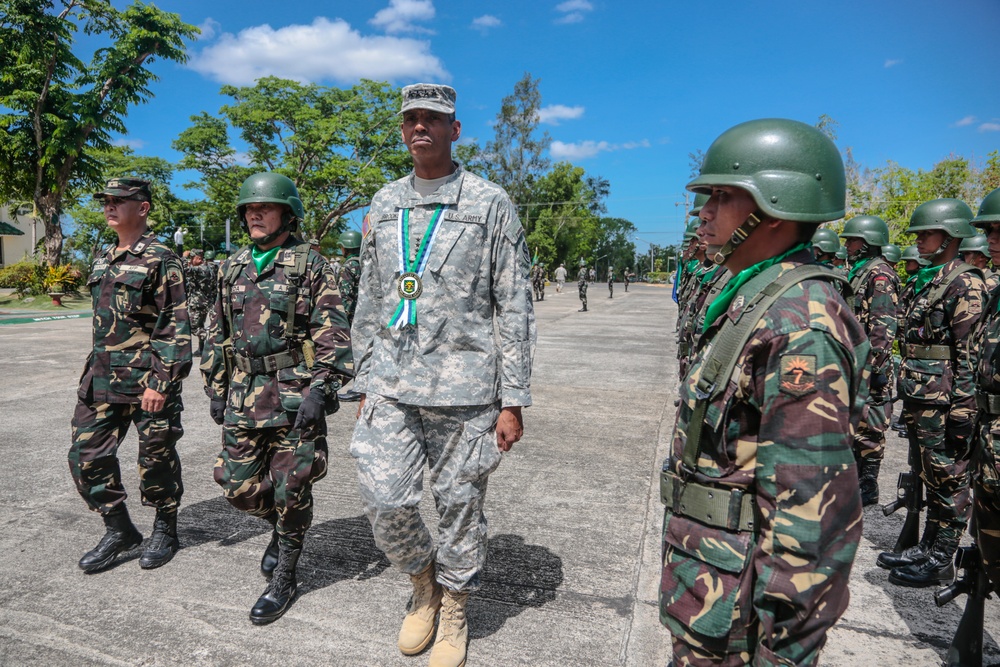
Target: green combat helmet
{"type": "Point", "coordinates": [891, 253]}
{"type": "Point", "coordinates": [691, 231]}
{"type": "Point", "coordinates": [977, 243]}
{"type": "Point", "coordinates": [699, 202]}
{"type": "Point", "coordinates": [209, 255]}
{"type": "Point", "coordinates": [826, 240]}
{"type": "Point", "coordinates": [950, 216]}
{"type": "Point", "coordinates": [350, 239]}
{"type": "Point", "coordinates": [792, 170]}
{"type": "Point", "coordinates": [276, 189]}
{"type": "Point", "coordinates": [989, 211]}
{"type": "Point", "coordinates": [842, 253]}
{"type": "Point", "coordinates": [911, 254]}
{"type": "Point", "coordinates": [869, 228]}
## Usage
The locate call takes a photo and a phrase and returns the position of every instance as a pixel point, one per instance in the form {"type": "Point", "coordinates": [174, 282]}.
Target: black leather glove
{"type": "Point", "coordinates": [312, 410]}
{"type": "Point", "coordinates": [880, 381]}
{"type": "Point", "coordinates": [217, 408]}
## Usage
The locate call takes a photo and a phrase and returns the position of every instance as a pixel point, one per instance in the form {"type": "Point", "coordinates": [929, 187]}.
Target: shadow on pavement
{"type": "Point", "coordinates": [215, 520]}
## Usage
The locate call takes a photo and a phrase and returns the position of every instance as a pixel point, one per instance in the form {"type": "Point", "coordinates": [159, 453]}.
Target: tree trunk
{"type": "Point", "coordinates": [50, 211]}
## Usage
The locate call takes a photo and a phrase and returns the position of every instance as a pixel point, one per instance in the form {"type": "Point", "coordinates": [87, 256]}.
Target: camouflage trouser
{"type": "Point", "coordinates": [944, 459]}
{"type": "Point", "coordinates": [198, 311]}
{"type": "Point", "coordinates": [986, 479]}
{"type": "Point", "coordinates": [582, 287]}
{"type": "Point", "coordinates": [98, 430]}
{"type": "Point", "coordinates": [869, 441]}
{"type": "Point", "coordinates": [392, 442]}
{"type": "Point", "coordinates": [700, 656]}
{"type": "Point", "coordinates": [267, 470]}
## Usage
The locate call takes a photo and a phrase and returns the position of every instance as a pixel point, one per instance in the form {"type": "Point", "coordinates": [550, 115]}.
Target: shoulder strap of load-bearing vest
{"type": "Point", "coordinates": [724, 350]}
{"type": "Point", "coordinates": [936, 292]}
{"type": "Point", "coordinates": [294, 275]}
{"type": "Point", "coordinates": [861, 279]}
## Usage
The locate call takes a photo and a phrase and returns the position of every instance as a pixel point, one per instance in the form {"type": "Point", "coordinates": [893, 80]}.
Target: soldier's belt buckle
{"type": "Point", "coordinates": [409, 286]}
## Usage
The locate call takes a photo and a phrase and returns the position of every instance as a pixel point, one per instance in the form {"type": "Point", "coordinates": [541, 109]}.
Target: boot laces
{"type": "Point", "coordinates": [281, 580]}
{"type": "Point", "coordinates": [453, 617]}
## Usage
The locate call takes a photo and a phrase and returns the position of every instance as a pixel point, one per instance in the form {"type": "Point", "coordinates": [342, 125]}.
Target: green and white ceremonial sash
{"type": "Point", "coordinates": [409, 286]}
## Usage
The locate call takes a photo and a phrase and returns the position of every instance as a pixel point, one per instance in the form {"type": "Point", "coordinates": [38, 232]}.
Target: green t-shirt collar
{"type": "Point", "coordinates": [726, 296]}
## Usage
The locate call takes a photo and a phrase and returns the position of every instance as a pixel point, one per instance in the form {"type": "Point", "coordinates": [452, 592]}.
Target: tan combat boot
{"type": "Point", "coordinates": [453, 633]}
{"type": "Point", "coordinates": [418, 626]}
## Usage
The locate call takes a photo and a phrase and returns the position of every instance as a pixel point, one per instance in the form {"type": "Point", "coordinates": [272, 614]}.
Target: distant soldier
{"type": "Point", "coordinates": [874, 289]}
{"type": "Point", "coordinates": [627, 277]}
{"type": "Point", "coordinates": [141, 353]}
{"type": "Point", "coordinates": [763, 515]}
{"type": "Point", "coordinates": [912, 263]}
{"type": "Point", "coordinates": [279, 349]}
{"type": "Point", "coordinates": [825, 246]}
{"type": "Point", "coordinates": [348, 276]}
{"type": "Point", "coordinates": [937, 386]}
{"type": "Point", "coordinates": [892, 253]}
{"type": "Point", "coordinates": [581, 285]}
{"type": "Point", "coordinates": [986, 459]}
{"type": "Point", "coordinates": [840, 260]}
{"type": "Point", "coordinates": [202, 284]}
{"type": "Point", "coordinates": [538, 281]}
{"type": "Point", "coordinates": [560, 277]}
{"type": "Point", "coordinates": [593, 275]}
{"type": "Point", "coordinates": [611, 283]}
{"type": "Point", "coordinates": [976, 252]}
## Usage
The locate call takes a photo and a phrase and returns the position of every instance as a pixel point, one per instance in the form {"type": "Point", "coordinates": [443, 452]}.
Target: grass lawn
{"type": "Point", "coordinates": [43, 302]}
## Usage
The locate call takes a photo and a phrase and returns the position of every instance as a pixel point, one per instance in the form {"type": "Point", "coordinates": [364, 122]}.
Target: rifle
{"type": "Point", "coordinates": [966, 648]}
{"type": "Point", "coordinates": [909, 494]}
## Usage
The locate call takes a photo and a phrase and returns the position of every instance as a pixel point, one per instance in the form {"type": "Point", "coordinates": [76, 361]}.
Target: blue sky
{"type": "Point", "coordinates": [629, 89]}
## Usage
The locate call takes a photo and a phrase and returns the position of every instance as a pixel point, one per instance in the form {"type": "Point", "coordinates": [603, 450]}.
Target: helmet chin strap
{"type": "Point", "coordinates": [863, 252]}
{"type": "Point", "coordinates": [738, 237]}
{"type": "Point", "coordinates": [944, 246]}
{"type": "Point", "coordinates": [286, 226]}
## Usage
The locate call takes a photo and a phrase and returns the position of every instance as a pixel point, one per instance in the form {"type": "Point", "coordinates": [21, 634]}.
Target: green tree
{"type": "Point", "coordinates": [615, 244]}
{"type": "Point", "coordinates": [516, 156]}
{"type": "Point", "coordinates": [339, 146]}
{"type": "Point", "coordinates": [57, 109]}
{"type": "Point", "coordinates": [562, 213]}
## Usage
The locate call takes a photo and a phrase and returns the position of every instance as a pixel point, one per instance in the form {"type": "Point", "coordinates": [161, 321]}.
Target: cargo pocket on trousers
{"type": "Point", "coordinates": [484, 455]}
{"type": "Point", "coordinates": [363, 425]}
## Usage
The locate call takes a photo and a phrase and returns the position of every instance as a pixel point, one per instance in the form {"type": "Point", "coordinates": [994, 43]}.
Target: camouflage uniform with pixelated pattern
{"type": "Point", "coordinates": [434, 390]}
{"type": "Point", "coordinates": [581, 284]}
{"type": "Point", "coordinates": [783, 431]}
{"type": "Point", "coordinates": [141, 340]}
{"type": "Point", "coordinates": [201, 284]}
{"type": "Point", "coordinates": [875, 288]}
{"type": "Point", "coordinates": [348, 277]}
{"type": "Point", "coordinates": [939, 396]}
{"type": "Point", "coordinates": [986, 456]}
{"type": "Point", "coordinates": [266, 466]}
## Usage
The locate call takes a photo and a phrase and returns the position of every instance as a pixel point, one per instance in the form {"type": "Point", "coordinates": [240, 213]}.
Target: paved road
{"type": "Point", "coordinates": [574, 523]}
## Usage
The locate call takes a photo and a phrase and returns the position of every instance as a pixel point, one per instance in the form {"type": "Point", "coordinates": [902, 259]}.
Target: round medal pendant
{"type": "Point", "coordinates": [409, 286]}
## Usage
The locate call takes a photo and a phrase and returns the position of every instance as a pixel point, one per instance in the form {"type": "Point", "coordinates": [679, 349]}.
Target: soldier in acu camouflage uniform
{"type": "Point", "coordinates": [976, 252]}
{"type": "Point", "coordinates": [874, 286]}
{"type": "Point", "coordinates": [141, 352]}
{"type": "Point", "coordinates": [581, 285]}
{"type": "Point", "coordinates": [349, 274]}
{"type": "Point", "coordinates": [763, 515]}
{"type": "Point", "coordinates": [937, 385]}
{"type": "Point", "coordinates": [279, 349]}
{"type": "Point", "coordinates": [201, 284]}
{"type": "Point", "coordinates": [444, 263]}
{"type": "Point", "coordinates": [986, 458]}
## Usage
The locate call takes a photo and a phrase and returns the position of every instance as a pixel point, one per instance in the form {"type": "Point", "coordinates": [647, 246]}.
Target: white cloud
{"type": "Point", "coordinates": [400, 15]}
{"type": "Point", "coordinates": [209, 29]}
{"type": "Point", "coordinates": [573, 11]}
{"type": "Point", "coordinates": [968, 120]}
{"type": "Point", "coordinates": [554, 113]}
{"type": "Point", "coordinates": [485, 22]}
{"type": "Point", "coordinates": [892, 63]}
{"type": "Point", "coordinates": [133, 143]}
{"type": "Point", "coordinates": [587, 149]}
{"type": "Point", "coordinates": [989, 127]}
{"type": "Point", "coordinates": [323, 50]}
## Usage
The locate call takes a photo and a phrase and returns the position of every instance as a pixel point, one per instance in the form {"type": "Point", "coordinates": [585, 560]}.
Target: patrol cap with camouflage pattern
{"type": "Point", "coordinates": [433, 96]}
{"type": "Point", "coordinates": [127, 188]}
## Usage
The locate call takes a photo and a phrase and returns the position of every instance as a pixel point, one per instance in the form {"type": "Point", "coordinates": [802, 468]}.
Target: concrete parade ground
{"type": "Point", "coordinates": [574, 514]}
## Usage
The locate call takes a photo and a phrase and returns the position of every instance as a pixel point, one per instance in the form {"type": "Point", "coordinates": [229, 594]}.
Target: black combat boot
{"type": "Point", "coordinates": [163, 543]}
{"type": "Point", "coordinates": [937, 569]}
{"type": "Point", "coordinates": [270, 558]}
{"type": "Point", "coordinates": [121, 536]}
{"type": "Point", "coordinates": [868, 480]}
{"type": "Point", "coordinates": [889, 560]}
{"type": "Point", "coordinates": [280, 591]}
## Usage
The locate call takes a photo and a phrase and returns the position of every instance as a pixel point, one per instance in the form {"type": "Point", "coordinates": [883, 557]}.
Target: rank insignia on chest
{"type": "Point", "coordinates": [410, 286]}
{"type": "Point", "coordinates": [738, 304]}
{"type": "Point", "coordinates": [798, 374]}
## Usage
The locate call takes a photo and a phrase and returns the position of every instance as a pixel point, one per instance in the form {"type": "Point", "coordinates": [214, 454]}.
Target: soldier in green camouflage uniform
{"type": "Point", "coordinates": [763, 515]}
{"type": "Point", "coordinates": [349, 274]}
{"type": "Point", "coordinates": [937, 386]}
{"type": "Point", "coordinates": [581, 285]}
{"type": "Point", "coordinates": [443, 339]}
{"type": "Point", "coordinates": [201, 285]}
{"type": "Point", "coordinates": [874, 286]}
{"type": "Point", "coordinates": [141, 353]}
{"type": "Point", "coordinates": [986, 458]}
{"type": "Point", "coordinates": [270, 387]}
{"type": "Point", "coordinates": [976, 252]}
{"type": "Point", "coordinates": [825, 246]}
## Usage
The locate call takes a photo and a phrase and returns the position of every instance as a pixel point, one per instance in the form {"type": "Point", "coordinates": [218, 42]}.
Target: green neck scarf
{"type": "Point", "coordinates": [691, 265]}
{"type": "Point", "coordinates": [924, 276]}
{"type": "Point", "coordinates": [726, 296]}
{"type": "Point", "coordinates": [262, 258]}
{"type": "Point", "coordinates": [857, 268]}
